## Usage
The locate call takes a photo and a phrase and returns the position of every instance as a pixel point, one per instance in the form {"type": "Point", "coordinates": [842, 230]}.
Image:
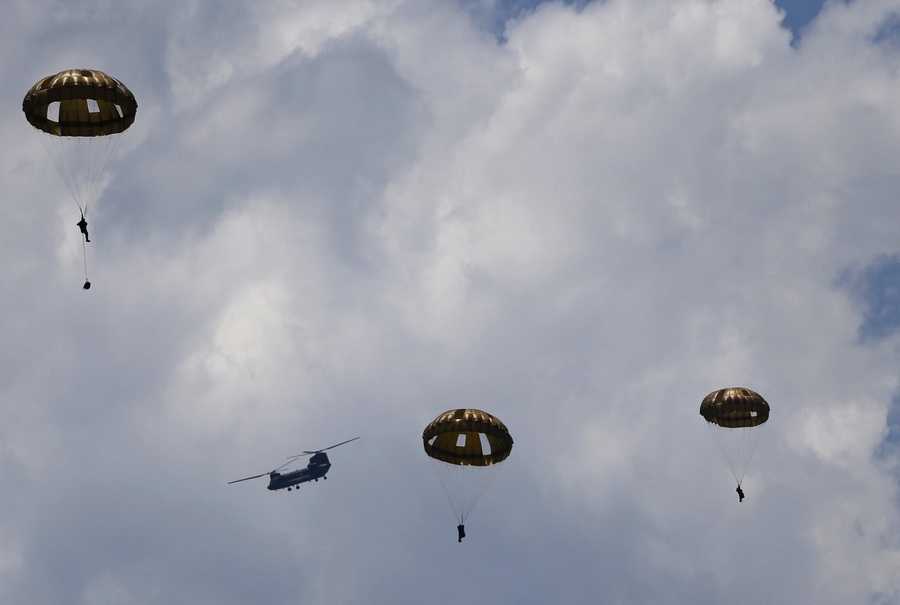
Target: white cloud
{"type": "Point", "coordinates": [842, 433]}
{"type": "Point", "coordinates": [342, 218]}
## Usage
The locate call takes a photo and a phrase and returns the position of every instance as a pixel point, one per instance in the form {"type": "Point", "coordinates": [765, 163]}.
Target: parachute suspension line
{"type": "Point", "coordinates": [444, 484]}
{"type": "Point", "coordinates": [737, 446]}
{"type": "Point", "coordinates": [485, 477]}
{"type": "Point", "coordinates": [65, 171]}
{"type": "Point", "coordinates": [463, 485]}
{"type": "Point", "coordinates": [104, 159]}
{"type": "Point", "coordinates": [83, 163]}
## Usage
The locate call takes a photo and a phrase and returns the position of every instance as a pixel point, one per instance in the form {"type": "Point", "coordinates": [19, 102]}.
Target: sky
{"type": "Point", "coordinates": [340, 218]}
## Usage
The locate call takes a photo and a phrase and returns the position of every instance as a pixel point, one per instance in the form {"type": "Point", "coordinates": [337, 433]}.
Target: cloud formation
{"type": "Point", "coordinates": [340, 218]}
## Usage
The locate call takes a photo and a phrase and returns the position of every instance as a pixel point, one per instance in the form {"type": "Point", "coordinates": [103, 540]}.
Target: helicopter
{"type": "Point", "coordinates": [317, 467]}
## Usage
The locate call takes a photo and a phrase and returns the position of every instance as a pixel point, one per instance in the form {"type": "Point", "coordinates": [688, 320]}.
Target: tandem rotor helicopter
{"type": "Point", "coordinates": [317, 467]}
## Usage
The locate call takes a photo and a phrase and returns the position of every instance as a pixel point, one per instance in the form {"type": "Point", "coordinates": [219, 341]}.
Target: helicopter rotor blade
{"type": "Point", "coordinates": [290, 459]}
{"type": "Point", "coordinates": [247, 478]}
{"type": "Point", "coordinates": [331, 447]}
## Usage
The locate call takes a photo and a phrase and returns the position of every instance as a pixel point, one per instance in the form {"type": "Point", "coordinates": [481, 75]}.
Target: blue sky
{"type": "Point", "coordinates": [877, 288]}
{"type": "Point", "coordinates": [340, 218]}
{"type": "Point", "coordinates": [798, 13]}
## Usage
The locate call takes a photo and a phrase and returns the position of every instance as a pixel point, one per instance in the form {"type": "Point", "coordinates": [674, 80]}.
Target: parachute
{"type": "Point", "coordinates": [734, 415]}
{"type": "Point", "coordinates": [465, 447]}
{"type": "Point", "coordinates": [82, 115]}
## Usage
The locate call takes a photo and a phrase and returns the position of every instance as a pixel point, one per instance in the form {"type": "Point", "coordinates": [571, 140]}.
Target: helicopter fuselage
{"type": "Point", "coordinates": [316, 468]}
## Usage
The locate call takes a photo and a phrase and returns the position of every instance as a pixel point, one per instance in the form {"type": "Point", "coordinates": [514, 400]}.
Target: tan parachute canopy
{"type": "Point", "coordinates": [734, 416]}
{"type": "Point", "coordinates": [735, 407]}
{"type": "Point", "coordinates": [455, 437]}
{"type": "Point", "coordinates": [81, 115]}
{"type": "Point", "coordinates": [465, 448]}
{"type": "Point", "coordinates": [80, 103]}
